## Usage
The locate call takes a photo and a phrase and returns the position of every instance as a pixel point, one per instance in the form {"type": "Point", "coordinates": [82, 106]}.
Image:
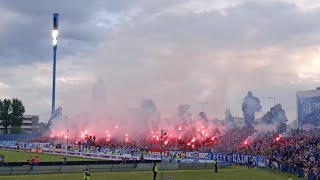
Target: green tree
{"type": "Point", "coordinates": [16, 115]}
{"type": "Point", "coordinates": [276, 116]}
{"type": "Point", "coordinates": [11, 114]}
{"type": "Point", "coordinates": [5, 110]}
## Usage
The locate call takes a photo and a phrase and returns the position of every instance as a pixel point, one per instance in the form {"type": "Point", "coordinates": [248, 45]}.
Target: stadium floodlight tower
{"type": "Point", "coordinates": [55, 33]}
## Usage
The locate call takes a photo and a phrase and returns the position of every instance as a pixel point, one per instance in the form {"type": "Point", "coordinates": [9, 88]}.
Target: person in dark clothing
{"type": "Point", "coordinates": [215, 164]}
{"type": "Point", "coordinates": [155, 171]}
{"type": "Point", "coordinates": [64, 160]}
{"type": "Point", "coordinates": [141, 156]}
{"type": "Point", "coordinates": [1, 160]}
{"type": "Point", "coordinates": [249, 162]}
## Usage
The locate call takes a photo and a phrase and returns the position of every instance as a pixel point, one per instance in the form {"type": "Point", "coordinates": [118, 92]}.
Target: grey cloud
{"type": "Point", "coordinates": [244, 26]}
{"type": "Point", "coordinates": [175, 57]}
{"type": "Point", "coordinates": [171, 57]}
{"type": "Point", "coordinates": [27, 37]}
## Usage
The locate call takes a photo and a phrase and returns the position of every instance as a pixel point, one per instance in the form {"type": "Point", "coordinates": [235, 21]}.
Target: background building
{"type": "Point", "coordinates": [239, 121]}
{"type": "Point", "coordinates": [308, 107]}
{"type": "Point", "coordinates": [30, 124]}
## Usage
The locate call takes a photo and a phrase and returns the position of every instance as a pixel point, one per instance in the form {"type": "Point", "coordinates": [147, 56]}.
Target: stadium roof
{"type": "Point", "coordinates": [309, 93]}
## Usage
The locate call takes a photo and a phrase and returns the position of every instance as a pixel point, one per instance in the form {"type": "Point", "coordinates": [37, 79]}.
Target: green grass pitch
{"type": "Point", "coordinates": [15, 156]}
{"type": "Point", "coordinates": [232, 173]}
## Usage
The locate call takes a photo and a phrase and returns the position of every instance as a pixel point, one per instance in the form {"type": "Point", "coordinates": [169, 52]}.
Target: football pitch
{"type": "Point", "coordinates": [232, 173]}
{"type": "Point", "coordinates": [19, 156]}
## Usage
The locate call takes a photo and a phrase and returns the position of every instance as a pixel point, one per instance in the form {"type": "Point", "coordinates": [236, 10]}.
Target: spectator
{"type": "Point", "coordinates": [36, 161]}
{"type": "Point", "coordinates": [64, 160]}
{"type": "Point", "coordinates": [1, 160]}
{"type": "Point", "coordinates": [30, 161]}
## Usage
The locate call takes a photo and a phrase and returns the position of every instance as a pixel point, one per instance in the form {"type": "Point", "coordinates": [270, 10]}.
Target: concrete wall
{"type": "Point", "coordinates": [98, 168]}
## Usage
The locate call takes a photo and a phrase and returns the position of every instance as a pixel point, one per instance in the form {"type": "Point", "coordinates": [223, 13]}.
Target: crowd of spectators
{"type": "Point", "coordinates": [297, 152]}
{"type": "Point", "coordinates": [294, 152]}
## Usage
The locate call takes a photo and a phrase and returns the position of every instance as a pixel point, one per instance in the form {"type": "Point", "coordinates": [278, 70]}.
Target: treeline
{"type": "Point", "coordinates": [11, 114]}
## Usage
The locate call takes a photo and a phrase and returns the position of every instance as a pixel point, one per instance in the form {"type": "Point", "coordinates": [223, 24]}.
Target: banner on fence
{"type": "Point", "coordinates": [243, 159]}
{"type": "Point", "coordinates": [224, 159]}
{"type": "Point", "coordinates": [7, 143]}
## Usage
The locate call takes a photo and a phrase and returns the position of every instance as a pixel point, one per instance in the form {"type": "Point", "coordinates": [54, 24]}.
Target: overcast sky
{"type": "Point", "coordinates": [172, 51]}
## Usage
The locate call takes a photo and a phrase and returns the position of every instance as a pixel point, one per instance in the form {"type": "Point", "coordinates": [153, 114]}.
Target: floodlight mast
{"type": "Point", "coordinates": [55, 34]}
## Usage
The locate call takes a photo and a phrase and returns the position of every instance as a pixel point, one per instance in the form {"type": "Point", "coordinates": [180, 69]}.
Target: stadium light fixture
{"type": "Point", "coordinates": [55, 31]}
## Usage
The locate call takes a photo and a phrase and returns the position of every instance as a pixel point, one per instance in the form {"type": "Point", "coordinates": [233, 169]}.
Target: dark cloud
{"type": "Point", "coordinates": [159, 50]}
{"type": "Point", "coordinates": [26, 37]}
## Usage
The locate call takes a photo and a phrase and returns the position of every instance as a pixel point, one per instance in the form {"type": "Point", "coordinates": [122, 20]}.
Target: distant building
{"type": "Point", "coordinates": [30, 124]}
{"type": "Point", "coordinates": [218, 122]}
{"type": "Point", "coordinates": [308, 107]}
